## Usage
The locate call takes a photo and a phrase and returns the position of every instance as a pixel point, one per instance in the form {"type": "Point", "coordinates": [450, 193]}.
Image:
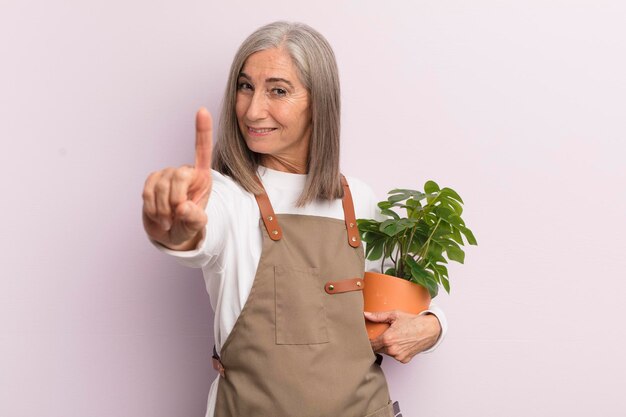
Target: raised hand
{"type": "Point", "coordinates": [175, 199]}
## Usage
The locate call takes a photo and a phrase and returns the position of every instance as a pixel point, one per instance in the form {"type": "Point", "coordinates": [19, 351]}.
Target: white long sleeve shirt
{"type": "Point", "coordinates": [231, 248]}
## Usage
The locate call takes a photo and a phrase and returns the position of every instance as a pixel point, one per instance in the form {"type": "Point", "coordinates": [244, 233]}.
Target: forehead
{"type": "Point", "coordinates": [274, 62]}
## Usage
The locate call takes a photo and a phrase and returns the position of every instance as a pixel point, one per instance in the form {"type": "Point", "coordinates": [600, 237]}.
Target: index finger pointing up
{"type": "Point", "coordinates": [204, 143]}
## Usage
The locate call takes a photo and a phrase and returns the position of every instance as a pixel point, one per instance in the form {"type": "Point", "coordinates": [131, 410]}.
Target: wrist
{"type": "Point", "coordinates": [188, 245]}
{"type": "Point", "coordinates": [435, 324]}
{"type": "Point", "coordinates": [431, 328]}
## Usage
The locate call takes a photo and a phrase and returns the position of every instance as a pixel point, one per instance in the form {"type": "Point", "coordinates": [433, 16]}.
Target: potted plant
{"type": "Point", "coordinates": [414, 249]}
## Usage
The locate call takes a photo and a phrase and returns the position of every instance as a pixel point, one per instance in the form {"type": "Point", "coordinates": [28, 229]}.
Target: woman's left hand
{"type": "Point", "coordinates": [407, 335]}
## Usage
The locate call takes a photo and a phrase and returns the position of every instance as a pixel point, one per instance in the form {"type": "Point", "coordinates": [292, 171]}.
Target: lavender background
{"type": "Point", "coordinates": [517, 105]}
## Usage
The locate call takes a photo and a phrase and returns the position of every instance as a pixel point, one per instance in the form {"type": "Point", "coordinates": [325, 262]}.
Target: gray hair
{"type": "Point", "coordinates": [317, 70]}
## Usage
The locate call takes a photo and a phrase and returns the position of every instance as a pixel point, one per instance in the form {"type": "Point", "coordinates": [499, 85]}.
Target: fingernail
{"type": "Point", "coordinates": [166, 225]}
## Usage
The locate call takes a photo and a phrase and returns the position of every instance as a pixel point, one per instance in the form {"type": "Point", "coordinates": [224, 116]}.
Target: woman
{"type": "Point", "coordinates": [297, 348]}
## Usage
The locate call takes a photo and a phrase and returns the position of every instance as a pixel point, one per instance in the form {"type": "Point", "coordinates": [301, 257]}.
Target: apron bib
{"type": "Point", "coordinates": [299, 348]}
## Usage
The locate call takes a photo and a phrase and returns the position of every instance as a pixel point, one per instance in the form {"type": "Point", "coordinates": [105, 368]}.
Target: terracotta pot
{"type": "Point", "coordinates": [385, 292]}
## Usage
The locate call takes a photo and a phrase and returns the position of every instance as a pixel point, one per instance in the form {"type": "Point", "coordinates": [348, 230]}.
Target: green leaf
{"type": "Point", "coordinates": [392, 227]}
{"type": "Point", "coordinates": [390, 213]}
{"type": "Point", "coordinates": [422, 228]}
{"type": "Point", "coordinates": [453, 205]}
{"type": "Point", "coordinates": [391, 271]}
{"type": "Point", "coordinates": [429, 220]}
{"type": "Point", "coordinates": [396, 198]}
{"type": "Point", "coordinates": [390, 246]}
{"type": "Point", "coordinates": [368, 226]}
{"type": "Point", "coordinates": [444, 213]}
{"type": "Point", "coordinates": [456, 236]}
{"type": "Point", "coordinates": [416, 269]}
{"type": "Point", "coordinates": [446, 284]}
{"type": "Point", "coordinates": [413, 208]}
{"type": "Point", "coordinates": [443, 230]}
{"type": "Point", "coordinates": [417, 196]}
{"type": "Point", "coordinates": [368, 237]}
{"type": "Point", "coordinates": [418, 280]}
{"type": "Point", "coordinates": [450, 192]}
{"type": "Point", "coordinates": [371, 232]}
{"type": "Point", "coordinates": [407, 223]}
{"type": "Point", "coordinates": [409, 261]}
{"type": "Point", "coordinates": [468, 235]}
{"type": "Point", "coordinates": [374, 250]}
{"type": "Point", "coordinates": [429, 282]}
{"type": "Point", "coordinates": [384, 205]}
{"type": "Point", "coordinates": [431, 187]}
{"type": "Point", "coordinates": [421, 276]}
{"type": "Point", "coordinates": [456, 220]}
{"type": "Point", "coordinates": [433, 287]}
{"type": "Point", "coordinates": [455, 254]}
{"type": "Point", "coordinates": [412, 204]}
{"type": "Point", "coordinates": [408, 193]}
{"type": "Point", "coordinates": [402, 191]}
{"type": "Point", "coordinates": [417, 243]}
{"type": "Point", "coordinates": [446, 242]}
{"type": "Point", "coordinates": [386, 224]}
{"type": "Point", "coordinates": [375, 246]}
{"type": "Point", "coordinates": [442, 270]}
{"type": "Point", "coordinates": [453, 250]}
{"type": "Point", "coordinates": [420, 273]}
{"type": "Point", "coordinates": [435, 251]}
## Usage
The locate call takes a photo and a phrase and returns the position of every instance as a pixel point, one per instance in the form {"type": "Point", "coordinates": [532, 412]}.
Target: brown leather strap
{"type": "Point", "coordinates": [267, 214]}
{"type": "Point", "coordinates": [344, 285]}
{"type": "Point", "coordinates": [275, 232]}
{"type": "Point", "coordinates": [348, 212]}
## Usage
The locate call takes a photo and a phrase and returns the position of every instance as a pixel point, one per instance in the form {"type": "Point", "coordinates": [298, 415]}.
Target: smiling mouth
{"type": "Point", "coordinates": [260, 131]}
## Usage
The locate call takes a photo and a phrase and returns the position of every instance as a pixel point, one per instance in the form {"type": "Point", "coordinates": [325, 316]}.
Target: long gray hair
{"type": "Point", "coordinates": [317, 69]}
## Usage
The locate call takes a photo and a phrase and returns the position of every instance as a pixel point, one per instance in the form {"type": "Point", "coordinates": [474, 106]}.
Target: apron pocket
{"type": "Point", "coordinates": [300, 312]}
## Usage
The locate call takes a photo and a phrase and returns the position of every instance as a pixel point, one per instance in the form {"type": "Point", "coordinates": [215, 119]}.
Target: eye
{"type": "Point", "coordinates": [280, 92]}
{"type": "Point", "coordinates": [244, 86]}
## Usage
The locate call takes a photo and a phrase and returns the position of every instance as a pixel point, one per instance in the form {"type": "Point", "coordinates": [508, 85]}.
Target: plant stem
{"type": "Point", "coordinates": [399, 257]}
{"type": "Point", "coordinates": [382, 264]}
{"type": "Point", "coordinates": [402, 252]}
{"type": "Point", "coordinates": [427, 243]}
{"type": "Point", "coordinates": [408, 247]}
{"type": "Point", "coordinates": [417, 216]}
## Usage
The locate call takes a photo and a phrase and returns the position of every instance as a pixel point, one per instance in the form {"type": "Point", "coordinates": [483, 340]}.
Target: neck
{"type": "Point", "coordinates": [284, 165]}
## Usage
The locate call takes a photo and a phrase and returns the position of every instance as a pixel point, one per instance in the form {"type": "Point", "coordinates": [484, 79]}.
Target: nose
{"type": "Point", "coordinates": [257, 107]}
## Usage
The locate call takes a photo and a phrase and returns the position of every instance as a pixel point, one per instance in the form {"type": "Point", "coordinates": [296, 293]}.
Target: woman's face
{"type": "Point", "coordinates": [272, 108]}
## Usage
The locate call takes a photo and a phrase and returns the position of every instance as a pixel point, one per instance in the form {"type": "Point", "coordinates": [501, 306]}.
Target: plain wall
{"type": "Point", "coordinates": [519, 106]}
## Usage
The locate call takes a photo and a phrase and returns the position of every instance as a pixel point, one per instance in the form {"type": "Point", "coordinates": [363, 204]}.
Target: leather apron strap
{"type": "Point", "coordinates": [267, 214]}
{"type": "Point", "coordinates": [354, 238]}
{"type": "Point", "coordinates": [275, 232]}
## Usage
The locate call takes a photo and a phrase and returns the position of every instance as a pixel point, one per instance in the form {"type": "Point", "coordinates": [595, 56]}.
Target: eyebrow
{"type": "Point", "coordinates": [269, 80]}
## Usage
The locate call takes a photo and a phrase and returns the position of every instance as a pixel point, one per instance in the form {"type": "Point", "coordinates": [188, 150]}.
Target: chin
{"type": "Point", "coordinates": [257, 147]}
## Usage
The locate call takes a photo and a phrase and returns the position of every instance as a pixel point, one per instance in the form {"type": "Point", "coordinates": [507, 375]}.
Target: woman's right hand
{"type": "Point", "coordinates": [175, 199]}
